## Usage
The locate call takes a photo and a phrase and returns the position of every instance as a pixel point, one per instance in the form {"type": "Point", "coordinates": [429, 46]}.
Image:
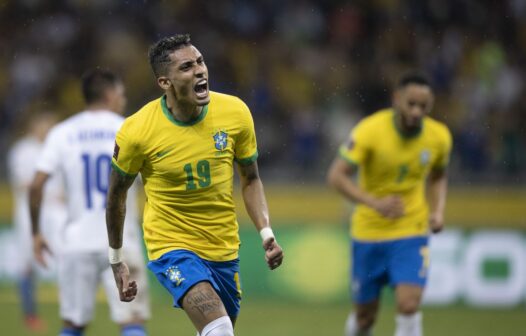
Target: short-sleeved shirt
{"type": "Point", "coordinates": [79, 149]}
{"type": "Point", "coordinates": [390, 163]}
{"type": "Point", "coordinates": [187, 170]}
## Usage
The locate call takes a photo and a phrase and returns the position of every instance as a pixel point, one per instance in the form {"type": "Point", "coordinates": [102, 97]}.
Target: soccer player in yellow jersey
{"type": "Point", "coordinates": [184, 145]}
{"type": "Point", "coordinates": [394, 152]}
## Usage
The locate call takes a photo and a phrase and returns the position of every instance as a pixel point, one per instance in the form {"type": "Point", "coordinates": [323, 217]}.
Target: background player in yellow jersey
{"type": "Point", "coordinates": [394, 151]}
{"type": "Point", "coordinates": [184, 144]}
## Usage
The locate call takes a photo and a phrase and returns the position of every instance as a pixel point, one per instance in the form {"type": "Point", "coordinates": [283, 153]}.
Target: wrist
{"type": "Point", "coordinates": [115, 255]}
{"type": "Point", "coordinates": [266, 233]}
{"type": "Point", "coordinates": [371, 202]}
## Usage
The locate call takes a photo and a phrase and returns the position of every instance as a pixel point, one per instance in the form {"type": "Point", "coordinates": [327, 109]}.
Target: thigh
{"type": "Point", "coordinates": [203, 305]}
{"type": "Point", "coordinates": [139, 308]}
{"type": "Point", "coordinates": [369, 271]}
{"type": "Point", "coordinates": [78, 278]}
{"type": "Point", "coordinates": [227, 278]}
{"type": "Point", "coordinates": [408, 298]}
{"type": "Point", "coordinates": [178, 271]}
{"type": "Point", "coordinates": [408, 261]}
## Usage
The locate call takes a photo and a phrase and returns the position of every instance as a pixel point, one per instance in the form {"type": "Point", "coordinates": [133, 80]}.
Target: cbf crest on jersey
{"type": "Point", "coordinates": [221, 140]}
{"type": "Point", "coordinates": [425, 155]}
{"type": "Point", "coordinates": [174, 274]}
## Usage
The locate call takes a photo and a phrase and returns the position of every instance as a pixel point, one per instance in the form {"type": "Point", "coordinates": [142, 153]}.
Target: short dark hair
{"type": "Point", "coordinates": [413, 78]}
{"type": "Point", "coordinates": [159, 53]}
{"type": "Point", "coordinates": [95, 82]}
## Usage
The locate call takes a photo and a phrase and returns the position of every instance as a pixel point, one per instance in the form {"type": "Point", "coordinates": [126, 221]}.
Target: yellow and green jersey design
{"type": "Point", "coordinates": [391, 164]}
{"type": "Point", "coordinates": [187, 171]}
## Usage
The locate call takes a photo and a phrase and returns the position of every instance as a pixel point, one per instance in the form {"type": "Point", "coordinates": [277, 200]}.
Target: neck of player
{"type": "Point", "coordinates": [407, 131]}
{"type": "Point", "coordinates": [180, 111]}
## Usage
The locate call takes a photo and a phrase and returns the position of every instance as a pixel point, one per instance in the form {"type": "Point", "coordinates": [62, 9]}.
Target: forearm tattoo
{"type": "Point", "coordinates": [249, 172]}
{"type": "Point", "coordinates": [116, 207]}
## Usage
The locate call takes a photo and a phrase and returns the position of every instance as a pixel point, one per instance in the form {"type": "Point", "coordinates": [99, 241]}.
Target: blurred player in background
{"type": "Point", "coordinates": [21, 166]}
{"type": "Point", "coordinates": [80, 148]}
{"type": "Point", "coordinates": [184, 144]}
{"type": "Point", "coordinates": [394, 152]}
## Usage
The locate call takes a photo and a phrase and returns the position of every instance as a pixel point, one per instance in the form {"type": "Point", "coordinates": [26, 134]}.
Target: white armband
{"type": "Point", "coordinates": [115, 255]}
{"type": "Point", "coordinates": [266, 233]}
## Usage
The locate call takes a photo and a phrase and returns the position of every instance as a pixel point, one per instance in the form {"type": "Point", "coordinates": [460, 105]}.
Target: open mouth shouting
{"type": "Point", "coordinates": [201, 89]}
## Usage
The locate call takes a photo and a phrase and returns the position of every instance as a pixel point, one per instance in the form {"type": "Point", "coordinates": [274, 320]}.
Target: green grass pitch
{"type": "Point", "coordinates": [262, 317]}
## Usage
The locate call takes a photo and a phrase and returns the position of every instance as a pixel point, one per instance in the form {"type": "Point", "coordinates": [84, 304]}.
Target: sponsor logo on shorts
{"type": "Point", "coordinates": [174, 274]}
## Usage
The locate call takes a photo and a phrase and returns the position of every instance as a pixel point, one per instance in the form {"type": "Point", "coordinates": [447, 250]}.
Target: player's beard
{"type": "Point", "coordinates": [410, 128]}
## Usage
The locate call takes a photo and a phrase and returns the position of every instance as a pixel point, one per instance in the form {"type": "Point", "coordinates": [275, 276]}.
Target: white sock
{"type": "Point", "coordinates": [409, 325]}
{"type": "Point", "coordinates": [219, 327]}
{"type": "Point", "coordinates": [351, 327]}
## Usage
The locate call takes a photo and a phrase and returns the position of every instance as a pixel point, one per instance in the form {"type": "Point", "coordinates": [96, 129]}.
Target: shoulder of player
{"type": "Point", "coordinates": [138, 118]}
{"type": "Point", "coordinates": [223, 100]}
{"type": "Point", "coordinates": [376, 119]}
{"type": "Point", "coordinates": [20, 148]}
{"type": "Point", "coordinates": [437, 128]}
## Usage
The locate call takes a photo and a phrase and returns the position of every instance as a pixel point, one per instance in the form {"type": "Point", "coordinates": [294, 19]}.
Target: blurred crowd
{"type": "Point", "coordinates": [309, 70]}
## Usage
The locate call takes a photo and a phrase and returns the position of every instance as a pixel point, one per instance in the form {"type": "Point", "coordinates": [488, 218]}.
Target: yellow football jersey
{"type": "Point", "coordinates": [391, 164]}
{"type": "Point", "coordinates": [187, 171]}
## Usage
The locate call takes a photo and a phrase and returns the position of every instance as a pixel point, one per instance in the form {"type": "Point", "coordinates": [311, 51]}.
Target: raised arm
{"type": "Point", "coordinates": [436, 196]}
{"type": "Point", "coordinates": [339, 177]}
{"type": "Point", "coordinates": [257, 209]}
{"type": "Point", "coordinates": [36, 190]}
{"type": "Point", "coordinates": [115, 214]}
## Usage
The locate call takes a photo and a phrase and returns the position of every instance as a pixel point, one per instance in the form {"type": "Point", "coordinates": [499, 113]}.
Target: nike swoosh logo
{"type": "Point", "coordinates": [163, 152]}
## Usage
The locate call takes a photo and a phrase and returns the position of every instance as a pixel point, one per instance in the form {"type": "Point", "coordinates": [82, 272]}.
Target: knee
{"type": "Point", "coordinates": [365, 319]}
{"type": "Point", "coordinates": [408, 306]}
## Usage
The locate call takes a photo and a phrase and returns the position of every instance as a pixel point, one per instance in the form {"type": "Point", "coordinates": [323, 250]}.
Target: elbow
{"type": "Point", "coordinates": [332, 179]}
{"type": "Point", "coordinates": [35, 190]}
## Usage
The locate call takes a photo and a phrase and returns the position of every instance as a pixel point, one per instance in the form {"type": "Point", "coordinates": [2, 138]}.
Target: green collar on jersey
{"type": "Point", "coordinates": [170, 116]}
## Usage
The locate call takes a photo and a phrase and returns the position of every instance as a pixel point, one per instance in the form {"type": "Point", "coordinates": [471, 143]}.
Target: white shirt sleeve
{"type": "Point", "coordinates": [50, 157]}
{"type": "Point", "coordinates": [20, 164]}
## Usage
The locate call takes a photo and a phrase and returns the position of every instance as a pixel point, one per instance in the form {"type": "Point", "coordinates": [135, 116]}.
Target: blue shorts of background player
{"type": "Point", "coordinates": [394, 262]}
{"type": "Point", "coordinates": [180, 270]}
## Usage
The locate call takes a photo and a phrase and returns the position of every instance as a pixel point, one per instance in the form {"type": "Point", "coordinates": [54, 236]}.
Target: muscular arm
{"type": "Point", "coordinates": [36, 190]}
{"type": "Point", "coordinates": [256, 205]}
{"type": "Point", "coordinates": [436, 196]}
{"type": "Point", "coordinates": [116, 207]}
{"type": "Point", "coordinates": [339, 177]}
{"type": "Point", "coordinates": [254, 196]}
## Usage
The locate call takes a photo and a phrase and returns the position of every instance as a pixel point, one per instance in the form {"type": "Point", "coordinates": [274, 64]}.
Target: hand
{"type": "Point", "coordinates": [127, 290]}
{"type": "Point", "coordinates": [390, 207]}
{"type": "Point", "coordinates": [436, 222]}
{"type": "Point", "coordinates": [39, 246]}
{"type": "Point", "coordinates": [273, 253]}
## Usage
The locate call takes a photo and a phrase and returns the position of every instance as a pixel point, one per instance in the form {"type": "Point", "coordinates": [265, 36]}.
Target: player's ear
{"type": "Point", "coordinates": [164, 82]}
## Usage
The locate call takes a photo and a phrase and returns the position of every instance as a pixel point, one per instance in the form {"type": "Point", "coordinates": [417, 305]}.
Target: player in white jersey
{"type": "Point", "coordinates": [80, 148]}
{"type": "Point", "coordinates": [21, 167]}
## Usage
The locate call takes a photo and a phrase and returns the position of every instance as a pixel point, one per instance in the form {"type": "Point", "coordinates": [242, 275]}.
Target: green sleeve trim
{"type": "Point", "coordinates": [249, 160]}
{"type": "Point", "coordinates": [349, 161]}
{"type": "Point", "coordinates": [120, 171]}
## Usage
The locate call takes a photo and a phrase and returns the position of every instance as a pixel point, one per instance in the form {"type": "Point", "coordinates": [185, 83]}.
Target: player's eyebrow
{"type": "Point", "coordinates": [187, 62]}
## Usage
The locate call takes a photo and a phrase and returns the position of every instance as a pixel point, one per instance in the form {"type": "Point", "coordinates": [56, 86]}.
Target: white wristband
{"type": "Point", "coordinates": [266, 233]}
{"type": "Point", "coordinates": [115, 255]}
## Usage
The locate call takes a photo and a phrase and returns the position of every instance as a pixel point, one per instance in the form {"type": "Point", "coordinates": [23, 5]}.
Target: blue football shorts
{"type": "Point", "coordinates": [393, 262]}
{"type": "Point", "coordinates": [180, 270]}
